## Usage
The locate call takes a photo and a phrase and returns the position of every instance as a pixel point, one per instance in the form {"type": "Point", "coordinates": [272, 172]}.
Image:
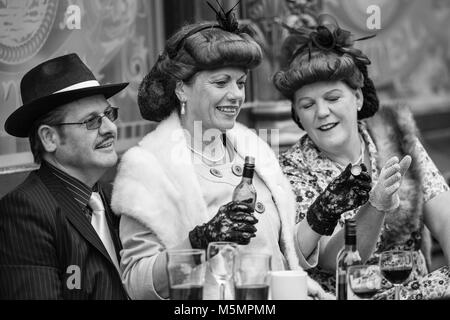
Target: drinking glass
{"type": "Point", "coordinates": [251, 276]}
{"type": "Point", "coordinates": [396, 266]}
{"type": "Point", "coordinates": [220, 257]}
{"type": "Point", "coordinates": [186, 270]}
{"type": "Point", "coordinates": [364, 280]}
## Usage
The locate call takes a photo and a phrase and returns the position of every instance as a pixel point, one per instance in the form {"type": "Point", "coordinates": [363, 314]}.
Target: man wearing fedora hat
{"type": "Point", "coordinates": [58, 235]}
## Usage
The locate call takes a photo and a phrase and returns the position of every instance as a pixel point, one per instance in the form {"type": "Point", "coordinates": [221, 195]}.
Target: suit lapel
{"type": "Point", "coordinates": [71, 209]}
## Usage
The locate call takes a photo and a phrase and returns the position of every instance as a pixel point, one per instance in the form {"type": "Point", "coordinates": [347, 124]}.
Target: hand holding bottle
{"type": "Point", "coordinates": [384, 195]}
{"type": "Point", "coordinates": [233, 222]}
{"type": "Point", "coordinates": [344, 193]}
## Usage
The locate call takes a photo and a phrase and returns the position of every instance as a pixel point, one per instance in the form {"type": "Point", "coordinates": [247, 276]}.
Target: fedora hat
{"type": "Point", "coordinates": [51, 84]}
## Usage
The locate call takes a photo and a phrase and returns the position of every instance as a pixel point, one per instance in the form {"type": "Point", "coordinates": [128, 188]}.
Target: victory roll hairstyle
{"type": "Point", "coordinates": [324, 53]}
{"type": "Point", "coordinates": [196, 47]}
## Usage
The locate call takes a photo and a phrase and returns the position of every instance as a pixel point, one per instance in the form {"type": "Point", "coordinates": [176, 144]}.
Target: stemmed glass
{"type": "Point", "coordinates": [220, 256]}
{"type": "Point", "coordinates": [396, 266]}
{"type": "Point", "coordinates": [364, 280]}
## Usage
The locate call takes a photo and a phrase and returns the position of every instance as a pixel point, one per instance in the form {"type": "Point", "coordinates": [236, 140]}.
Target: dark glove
{"type": "Point", "coordinates": [344, 193]}
{"type": "Point", "coordinates": [233, 222]}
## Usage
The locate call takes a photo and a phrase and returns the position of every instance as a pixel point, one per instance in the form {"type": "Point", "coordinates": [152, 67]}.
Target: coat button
{"type": "Point", "coordinates": [259, 207]}
{"type": "Point", "coordinates": [237, 170]}
{"type": "Point", "coordinates": [356, 170]}
{"type": "Point", "coordinates": [216, 173]}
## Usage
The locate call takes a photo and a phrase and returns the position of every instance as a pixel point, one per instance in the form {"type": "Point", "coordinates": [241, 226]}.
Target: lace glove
{"type": "Point", "coordinates": [344, 193]}
{"type": "Point", "coordinates": [384, 195]}
{"type": "Point", "coordinates": [233, 222]}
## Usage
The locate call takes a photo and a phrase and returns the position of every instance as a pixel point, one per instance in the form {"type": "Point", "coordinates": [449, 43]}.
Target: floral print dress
{"type": "Point", "coordinates": [310, 171]}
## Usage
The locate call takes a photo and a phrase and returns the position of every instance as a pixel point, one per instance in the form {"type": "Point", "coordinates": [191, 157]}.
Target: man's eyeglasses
{"type": "Point", "coordinates": [95, 122]}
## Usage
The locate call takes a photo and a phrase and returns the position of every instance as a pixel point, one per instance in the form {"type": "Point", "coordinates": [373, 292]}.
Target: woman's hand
{"type": "Point", "coordinates": [344, 193]}
{"type": "Point", "coordinates": [384, 195]}
{"type": "Point", "coordinates": [233, 222]}
{"type": "Point", "coordinates": [316, 292]}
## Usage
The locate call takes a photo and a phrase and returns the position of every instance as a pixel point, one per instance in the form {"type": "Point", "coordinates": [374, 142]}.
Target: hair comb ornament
{"type": "Point", "coordinates": [326, 36]}
{"type": "Point", "coordinates": [226, 20]}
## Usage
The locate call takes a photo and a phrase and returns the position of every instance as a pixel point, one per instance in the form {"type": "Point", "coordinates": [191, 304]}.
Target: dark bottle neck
{"type": "Point", "coordinates": [350, 234]}
{"type": "Point", "coordinates": [350, 242]}
{"type": "Point", "coordinates": [248, 172]}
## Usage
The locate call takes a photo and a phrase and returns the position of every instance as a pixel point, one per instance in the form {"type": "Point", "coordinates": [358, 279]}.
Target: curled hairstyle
{"type": "Point", "coordinates": [316, 65]}
{"type": "Point", "coordinates": [187, 52]}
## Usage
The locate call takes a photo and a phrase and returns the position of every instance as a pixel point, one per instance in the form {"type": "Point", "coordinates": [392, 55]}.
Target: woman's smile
{"type": "Point", "coordinates": [228, 110]}
{"type": "Point", "coordinates": [327, 127]}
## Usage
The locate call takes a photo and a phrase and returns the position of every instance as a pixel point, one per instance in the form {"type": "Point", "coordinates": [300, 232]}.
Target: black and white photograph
{"type": "Point", "coordinates": [210, 152]}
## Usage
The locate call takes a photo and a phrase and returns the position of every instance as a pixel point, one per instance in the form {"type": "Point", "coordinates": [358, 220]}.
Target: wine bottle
{"type": "Point", "coordinates": [245, 191]}
{"type": "Point", "coordinates": [346, 257]}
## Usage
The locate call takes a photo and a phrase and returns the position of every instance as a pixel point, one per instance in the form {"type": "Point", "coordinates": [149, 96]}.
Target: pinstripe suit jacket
{"type": "Point", "coordinates": [49, 250]}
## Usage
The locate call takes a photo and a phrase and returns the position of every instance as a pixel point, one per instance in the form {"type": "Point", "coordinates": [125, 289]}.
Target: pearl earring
{"type": "Point", "coordinates": [183, 107]}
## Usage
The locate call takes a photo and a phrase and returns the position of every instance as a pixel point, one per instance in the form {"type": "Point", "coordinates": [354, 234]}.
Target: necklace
{"type": "Point", "coordinates": [358, 161]}
{"type": "Point", "coordinates": [206, 157]}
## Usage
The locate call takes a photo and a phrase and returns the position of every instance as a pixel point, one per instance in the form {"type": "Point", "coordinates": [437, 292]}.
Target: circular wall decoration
{"type": "Point", "coordinates": [24, 28]}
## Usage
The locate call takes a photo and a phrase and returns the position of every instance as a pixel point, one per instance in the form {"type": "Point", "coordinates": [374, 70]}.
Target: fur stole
{"type": "Point", "coordinates": [156, 184]}
{"type": "Point", "coordinates": [394, 132]}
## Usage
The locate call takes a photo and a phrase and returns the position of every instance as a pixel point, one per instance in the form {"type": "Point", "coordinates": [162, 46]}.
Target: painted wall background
{"type": "Point", "coordinates": [117, 39]}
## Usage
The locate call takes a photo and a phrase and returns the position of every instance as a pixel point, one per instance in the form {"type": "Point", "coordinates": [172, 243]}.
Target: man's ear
{"type": "Point", "coordinates": [180, 90]}
{"type": "Point", "coordinates": [359, 99]}
{"type": "Point", "coordinates": [49, 138]}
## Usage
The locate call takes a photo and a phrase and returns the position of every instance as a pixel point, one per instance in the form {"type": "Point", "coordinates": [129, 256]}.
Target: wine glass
{"type": "Point", "coordinates": [364, 280]}
{"type": "Point", "coordinates": [220, 257]}
{"type": "Point", "coordinates": [396, 266]}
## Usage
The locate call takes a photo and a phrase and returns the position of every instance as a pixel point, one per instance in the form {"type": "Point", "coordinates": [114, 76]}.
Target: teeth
{"type": "Point", "coordinates": [227, 109]}
{"type": "Point", "coordinates": [105, 145]}
{"type": "Point", "coordinates": [327, 126]}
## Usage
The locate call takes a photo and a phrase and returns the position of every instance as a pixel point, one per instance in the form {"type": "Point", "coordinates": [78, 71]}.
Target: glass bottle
{"type": "Point", "coordinates": [346, 257]}
{"type": "Point", "coordinates": [245, 191]}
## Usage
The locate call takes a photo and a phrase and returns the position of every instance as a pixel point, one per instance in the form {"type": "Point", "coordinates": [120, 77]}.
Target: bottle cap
{"type": "Point", "coordinates": [249, 160]}
{"type": "Point", "coordinates": [356, 170]}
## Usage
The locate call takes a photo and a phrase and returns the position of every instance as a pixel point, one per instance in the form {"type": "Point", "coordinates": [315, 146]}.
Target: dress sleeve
{"type": "Point", "coordinates": [140, 250]}
{"type": "Point", "coordinates": [303, 199]}
{"type": "Point", "coordinates": [304, 186]}
{"type": "Point", "coordinates": [433, 181]}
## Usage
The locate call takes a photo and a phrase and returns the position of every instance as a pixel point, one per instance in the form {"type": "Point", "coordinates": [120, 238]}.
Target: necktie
{"type": "Point", "coordinates": [100, 225]}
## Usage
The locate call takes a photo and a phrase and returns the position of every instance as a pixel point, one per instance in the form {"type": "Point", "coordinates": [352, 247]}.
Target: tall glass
{"type": "Point", "coordinates": [220, 257]}
{"type": "Point", "coordinates": [251, 276]}
{"type": "Point", "coordinates": [186, 270]}
{"type": "Point", "coordinates": [396, 266]}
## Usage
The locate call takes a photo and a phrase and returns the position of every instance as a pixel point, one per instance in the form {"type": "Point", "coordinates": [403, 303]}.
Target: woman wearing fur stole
{"type": "Point", "coordinates": [174, 188]}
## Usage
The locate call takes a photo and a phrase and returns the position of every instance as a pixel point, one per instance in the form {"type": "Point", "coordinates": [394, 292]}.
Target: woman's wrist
{"type": "Point", "coordinates": [323, 226]}
{"type": "Point", "coordinates": [383, 206]}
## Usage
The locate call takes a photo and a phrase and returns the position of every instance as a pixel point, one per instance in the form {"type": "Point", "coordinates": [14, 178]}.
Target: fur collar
{"type": "Point", "coordinates": [394, 132]}
{"type": "Point", "coordinates": [156, 184]}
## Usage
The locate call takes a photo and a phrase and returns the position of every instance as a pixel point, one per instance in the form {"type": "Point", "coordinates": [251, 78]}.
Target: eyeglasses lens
{"type": "Point", "coordinates": [96, 122]}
